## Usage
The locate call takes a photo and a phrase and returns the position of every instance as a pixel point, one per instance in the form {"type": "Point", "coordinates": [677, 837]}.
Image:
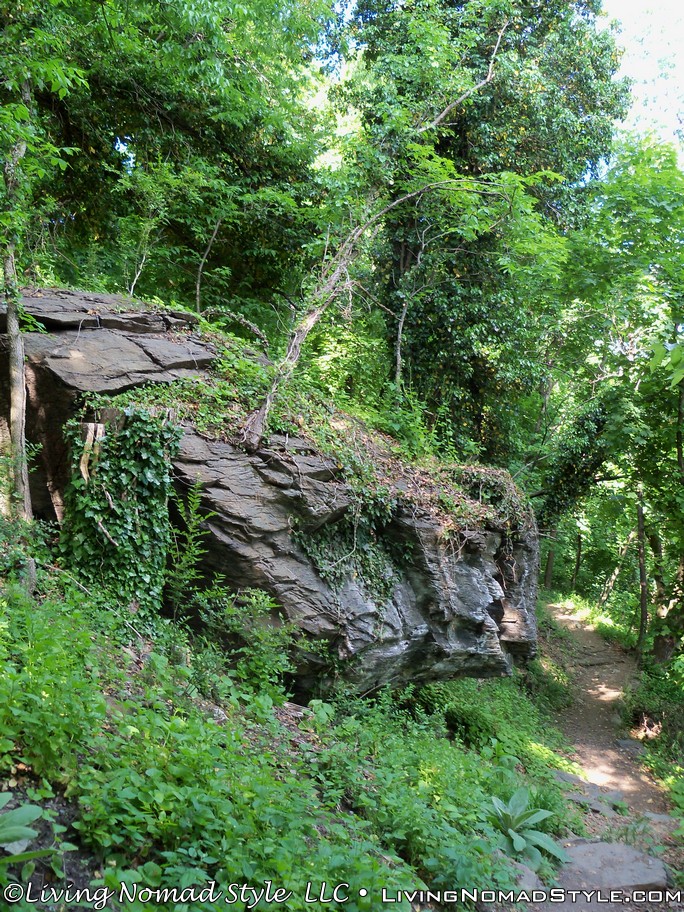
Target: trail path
{"type": "Point", "coordinates": [615, 854]}
{"type": "Point", "coordinates": [601, 671]}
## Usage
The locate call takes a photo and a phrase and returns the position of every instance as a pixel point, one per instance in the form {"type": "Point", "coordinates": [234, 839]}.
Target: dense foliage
{"type": "Point", "coordinates": [167, 788]}
{"type": "Point", "coordinates": [433, 197]}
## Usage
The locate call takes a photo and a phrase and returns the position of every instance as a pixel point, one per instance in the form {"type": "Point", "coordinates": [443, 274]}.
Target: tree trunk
{"type": "Point", "coordinates": [550, 557]}
{"type": "Point", "coordinates": [680, 431]}
{"type": "Point", "coordinates": [658, 571]}
{"type": "Point", "coordinates": [643, 579]}
{"type": "Point", "coordinates": [545, 389]}
{"type": "Point", "coordinates": [674, 610]}
{"type": "Point", "coordinates": [253, 428]}
{"type": "Point", "coordinates": [200, 271]}
{"type": "Point", "coordinates": [578, 560]}
{"type": "Point", "coordinates": [397, 346]}
{"type": "Point", "coordinates": [20, 498]}
{"type": "Point", "coordinates": [612, 579]}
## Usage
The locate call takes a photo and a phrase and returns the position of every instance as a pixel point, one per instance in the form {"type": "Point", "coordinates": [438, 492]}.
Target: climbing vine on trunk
{"type": "Point", "coordinates": [116, 530]}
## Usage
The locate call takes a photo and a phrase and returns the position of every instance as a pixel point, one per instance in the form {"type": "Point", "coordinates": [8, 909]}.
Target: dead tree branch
{"type": "Point", "coordinates": [476, 88]}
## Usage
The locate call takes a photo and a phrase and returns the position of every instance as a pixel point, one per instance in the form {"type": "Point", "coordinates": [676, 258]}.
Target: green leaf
{"type": "Point", "coordinates": [533, 857]}
{"type": "Point", "coordinates": [535, 817]}
{"type": "Point", "coordinates": [519, 802]}
{"type": "Point", "coordinates": [545, 842]}
{"type": "Point", "coordinates": [20, 816]}
{"type": "Point", "coordinates": [518, 842]}
{"type": "Point", "coordinates": [25, 856]}
{"type": "Point", "coordinates": [10, 834]}
{"type": "Point", "coordinates": [677, 377]}
{"type": "Point", "coordinates": [659, 355]}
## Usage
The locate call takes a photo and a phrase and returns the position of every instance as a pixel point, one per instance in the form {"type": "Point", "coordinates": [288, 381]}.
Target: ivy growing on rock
{"type": "Point", "coordinates": [116, 530]}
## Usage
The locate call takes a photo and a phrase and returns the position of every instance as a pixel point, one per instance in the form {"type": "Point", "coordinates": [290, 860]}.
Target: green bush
{"type": "Point", "coordinates": [50, 700]}
{"type": "Point", "coordinates": [192, 801]}
{"type": "Point", "coordinates": [477, 712]}
{"type": "Point", "coordinates": [423, 796]}
{"type": "Point", "coordinates": [255, 641]}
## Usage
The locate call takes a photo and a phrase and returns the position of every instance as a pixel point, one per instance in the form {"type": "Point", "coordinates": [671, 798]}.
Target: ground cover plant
{"type": "Point", "coordinates": [180, 765]}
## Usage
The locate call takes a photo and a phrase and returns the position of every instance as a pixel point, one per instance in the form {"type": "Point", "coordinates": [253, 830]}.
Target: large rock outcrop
{"type": "Point", "coordinates": [448, 605]}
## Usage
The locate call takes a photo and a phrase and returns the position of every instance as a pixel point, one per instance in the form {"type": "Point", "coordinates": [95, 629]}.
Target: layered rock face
{"type": "Point", "coordinates": [447, 605]}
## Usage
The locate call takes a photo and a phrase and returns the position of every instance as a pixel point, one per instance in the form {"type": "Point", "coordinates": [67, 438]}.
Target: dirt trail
{"type": "Point", "coordinates": [623, 857]}
{"type": "Point", "coordinates": [601, 671]}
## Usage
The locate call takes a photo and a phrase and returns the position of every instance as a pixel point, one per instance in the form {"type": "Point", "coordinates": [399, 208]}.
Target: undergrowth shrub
{"type": "Point", "coordinates": [422, 796]}
{"type": "Point", "coordinates": [50, 700]}
{"type": "Point", "coordinates": [191, 801]}
{"type": "Point", "coordinates": [479, 712]}
{"type": "Point", "coordinates": [254, 640]}
{"type": "Point", "coordinates": [19, 541]}
{"type": "Point", "coordinates": [374, 793]}
{"type": "Point", "coordinates": [548, 683]}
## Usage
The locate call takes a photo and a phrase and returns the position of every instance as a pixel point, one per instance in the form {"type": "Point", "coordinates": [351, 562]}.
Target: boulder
{"type": "Point", "coordinates": [436, 606]}
{"type": "Point", "coordinates": [595, 870]}
{"type": "Point", "coordinates": [439, 616]}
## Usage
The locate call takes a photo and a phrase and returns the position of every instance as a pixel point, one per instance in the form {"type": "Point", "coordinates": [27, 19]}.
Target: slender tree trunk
{"type": "Point", "coordinates": [406, 255]}
{"type": "Point", "coordinates": [643, 579]}
{"type": "Point", "coordinates": [680, 431]}
{"type": "Point", "coordinates": [138, 273]}
{"type": "Point", "coordinates": [578, 560]}
{"type": "Point", "coordinates": [20, 500]}
{"type": "Point", "coordinates": [334, 275]}
{"type": "Point", "coordinates": [674, 610]}
{"type": "Point", "coordinates": [679, 579]}
{"type": "Point", "coordinates": [397, 347]}
{"type": "Point", "coordinates": [545, 388]}
{"type": "Point", "coordinates": [612, 579]}
{"type": "Point", "coordinates": [253, 428]}
{"type": "Point", "coordinates": [200, 271]}
{"type": "Point", "coordinates": [550, 558]}
{"type": "Point", "coordinates": [664, 640]}
{"type": "Point", "coordinates": [658, 571]}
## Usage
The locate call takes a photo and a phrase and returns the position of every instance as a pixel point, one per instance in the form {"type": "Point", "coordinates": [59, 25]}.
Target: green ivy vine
{"type": "Point", "coordinates": [352, 547]}
{"type": "Point", "coordinates": [116, 530]}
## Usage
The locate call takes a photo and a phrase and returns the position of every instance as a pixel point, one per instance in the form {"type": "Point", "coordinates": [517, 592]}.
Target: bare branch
{"type": "Point", "coordinates": [206, 253]}
{"type": "Point", "coordinates": [230, 315]}
{"type": "Point", "coordinates": [476, 88]}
